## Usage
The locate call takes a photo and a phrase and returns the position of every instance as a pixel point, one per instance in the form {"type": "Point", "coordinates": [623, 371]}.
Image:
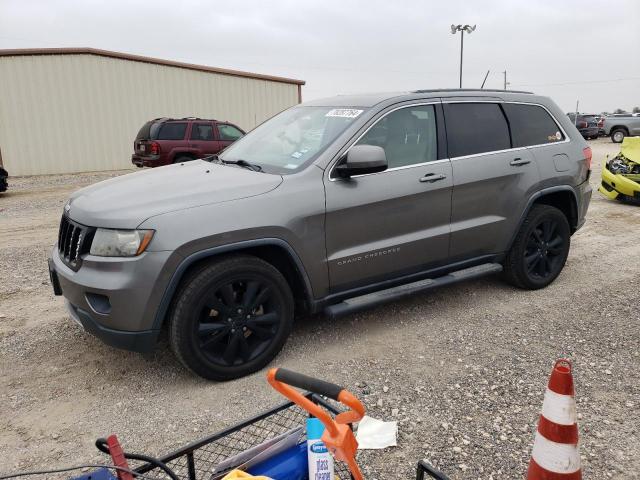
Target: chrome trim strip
{"type": "Point", "coordinates": [567, 139]}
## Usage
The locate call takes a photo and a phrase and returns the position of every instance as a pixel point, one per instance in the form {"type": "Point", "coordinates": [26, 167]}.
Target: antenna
{"type": "Point", "coordinates": [485, 79]}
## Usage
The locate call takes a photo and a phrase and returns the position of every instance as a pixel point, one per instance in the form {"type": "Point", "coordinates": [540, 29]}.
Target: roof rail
{"type": "Point", "coordinates": [436, 90]}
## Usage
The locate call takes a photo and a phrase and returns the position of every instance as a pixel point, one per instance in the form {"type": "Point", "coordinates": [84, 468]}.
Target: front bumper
{"type": "Point", "coordinates": [618, 186]}
{"type": "Point", "coordinates": [115, 299]}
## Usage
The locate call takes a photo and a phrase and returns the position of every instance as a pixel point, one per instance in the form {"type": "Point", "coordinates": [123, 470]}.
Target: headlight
{"type": "Point", "coordinates": [120, 243]}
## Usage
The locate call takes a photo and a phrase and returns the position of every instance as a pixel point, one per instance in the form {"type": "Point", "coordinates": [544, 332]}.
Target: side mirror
{"type": "Point", "coordinates": [362, 159]}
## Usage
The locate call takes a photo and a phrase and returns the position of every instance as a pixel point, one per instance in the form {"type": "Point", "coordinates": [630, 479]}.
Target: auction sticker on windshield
{"type": "Point", "coordinates": [344, 112]}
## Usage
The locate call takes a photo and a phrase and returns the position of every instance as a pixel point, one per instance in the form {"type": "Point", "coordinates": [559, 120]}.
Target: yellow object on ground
{"type": "Point", "coordinates": [239, 475]}
{"type": "Point", "coordinates": [621, 175]}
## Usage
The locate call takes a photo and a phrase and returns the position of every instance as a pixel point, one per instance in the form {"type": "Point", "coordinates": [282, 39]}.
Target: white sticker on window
{"type": "Point", "coordinates": [291, 166]}
{"type": "Point", "coordinates": [344, 112]}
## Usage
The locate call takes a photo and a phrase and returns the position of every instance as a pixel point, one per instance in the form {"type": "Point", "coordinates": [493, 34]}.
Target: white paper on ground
{"type": "Point", "coordinates": [373, 434]}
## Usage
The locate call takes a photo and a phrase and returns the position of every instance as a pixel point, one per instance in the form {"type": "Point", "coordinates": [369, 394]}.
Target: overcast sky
{"type": "Point", "coordinates": [584, 50]}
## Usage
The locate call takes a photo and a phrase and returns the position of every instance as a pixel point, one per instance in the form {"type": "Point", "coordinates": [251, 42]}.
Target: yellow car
{"type": "Point", "coordinates": [621, 174]}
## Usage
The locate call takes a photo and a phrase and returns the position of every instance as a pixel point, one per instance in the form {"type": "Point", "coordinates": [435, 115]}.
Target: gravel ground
{"type": "Point", "coordinates": [462, 369]}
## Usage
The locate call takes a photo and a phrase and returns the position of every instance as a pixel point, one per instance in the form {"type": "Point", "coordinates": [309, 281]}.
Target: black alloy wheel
{"type": "Point", "coordinates": [231, 317]}
{"type": "Point", "coordinates": [540, 248]}
{"type": "Point", "coordinates": [238, 321]}
{"type": "Point", "coordinates": [544, 249]}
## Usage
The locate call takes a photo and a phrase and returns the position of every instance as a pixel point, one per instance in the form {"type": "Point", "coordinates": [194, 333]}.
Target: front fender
{"type": "Point", "coordinates": [194, 257]}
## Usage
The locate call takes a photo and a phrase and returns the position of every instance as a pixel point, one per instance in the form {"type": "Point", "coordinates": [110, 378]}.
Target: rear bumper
{"type": "Point", "coordinates": [590, 132]}
{"type": "Point", "coordinates": [583, 194]}
{"type": "Point", "coordinates": [146, 160]}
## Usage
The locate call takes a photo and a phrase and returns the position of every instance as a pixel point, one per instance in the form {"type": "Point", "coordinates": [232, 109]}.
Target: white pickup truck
{"type": "Point", "coordinates": [619, 127]}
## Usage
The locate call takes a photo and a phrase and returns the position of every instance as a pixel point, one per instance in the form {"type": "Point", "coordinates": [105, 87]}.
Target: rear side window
{"type": "Point", "coordinates": [531, 125]}
{"type": "Point", "coordinates": [172, 131]}
{"type": "Point", "coordinates": [201, 131]}
{"type": "Point", "coordinates": [474, 128]}
{"type": "Point", "coordinates": [229, 133]}
{"type": "Point", "coordinates": [145, 132]}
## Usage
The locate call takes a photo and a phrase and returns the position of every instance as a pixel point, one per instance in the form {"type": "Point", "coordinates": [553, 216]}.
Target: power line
{"type": "Point", "coordinates": [611, 80]}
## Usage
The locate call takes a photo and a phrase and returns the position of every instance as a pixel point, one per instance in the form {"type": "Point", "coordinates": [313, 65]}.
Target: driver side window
{"type": "Point", "coordinates": [408, 136]}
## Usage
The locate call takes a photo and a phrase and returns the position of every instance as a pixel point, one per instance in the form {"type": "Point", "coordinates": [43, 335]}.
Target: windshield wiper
{"type": "Point", "coordinates": [243, 163]}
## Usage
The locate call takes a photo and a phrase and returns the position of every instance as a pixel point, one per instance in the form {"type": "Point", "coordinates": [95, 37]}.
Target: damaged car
{"type": "Point", "coordinates": [621, 174]}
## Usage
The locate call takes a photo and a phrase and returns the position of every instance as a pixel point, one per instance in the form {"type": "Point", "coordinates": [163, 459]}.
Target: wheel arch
{"type": "Point", "coordinates": [624, 128]}
{"type": "Point", "coordinates": [181, 153]}
{"type": "Point", "coordinates": [275, 251]}
{"type": "Point", "coordinates": [562, 197]}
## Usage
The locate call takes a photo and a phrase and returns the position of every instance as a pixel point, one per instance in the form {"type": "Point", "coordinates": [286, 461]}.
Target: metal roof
{"type": "Point", "coordinates": [140, 58]}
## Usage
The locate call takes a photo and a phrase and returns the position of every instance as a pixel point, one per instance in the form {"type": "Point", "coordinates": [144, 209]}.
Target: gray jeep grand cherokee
{"type": "Point", "coordinates": [332, 206]}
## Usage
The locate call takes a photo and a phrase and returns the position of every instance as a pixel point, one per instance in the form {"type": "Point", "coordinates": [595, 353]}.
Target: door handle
{"type": "Point", "coordinates": [432, 177]}
{"type": "Point", "coordinates": [518, 162]}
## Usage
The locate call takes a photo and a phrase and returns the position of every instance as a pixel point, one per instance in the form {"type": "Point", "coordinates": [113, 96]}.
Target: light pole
{"type": "Point", "coordinates": [461, 28]}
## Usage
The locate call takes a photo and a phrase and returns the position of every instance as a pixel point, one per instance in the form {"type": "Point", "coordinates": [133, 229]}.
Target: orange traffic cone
{"type": "Point", "coordinates": [555, 453]}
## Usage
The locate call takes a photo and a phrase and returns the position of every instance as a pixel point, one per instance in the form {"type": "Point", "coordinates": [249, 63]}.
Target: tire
{"type": "Point", "coordinates": [617, 136]}
{"type": "Point", "coordinates": [254, 305]}
{"type": "Point", "coordinates": [540, 249]}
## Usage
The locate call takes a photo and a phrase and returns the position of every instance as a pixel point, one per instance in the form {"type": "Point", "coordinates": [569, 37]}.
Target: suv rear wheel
{"type": "Point", "coordinates": [231, 318]}
{"type": "Point", "coordinates": [617, 136]}
{"type": "Point", "coordinates": [540, 249]}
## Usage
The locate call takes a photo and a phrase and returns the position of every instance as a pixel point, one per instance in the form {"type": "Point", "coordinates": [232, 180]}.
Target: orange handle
{"type": "Point", "coordinates": [281, 378]}
{"type": "Point", "coordinates": [338, 437]}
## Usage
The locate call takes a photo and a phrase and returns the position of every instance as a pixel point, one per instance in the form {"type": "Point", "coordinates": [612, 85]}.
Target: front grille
{"type": "Point", "coordinates": [74, 240]}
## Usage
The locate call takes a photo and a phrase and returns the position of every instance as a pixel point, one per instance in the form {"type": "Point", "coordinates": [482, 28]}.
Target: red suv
{"type": "Point", "coordinates": [167, 140]}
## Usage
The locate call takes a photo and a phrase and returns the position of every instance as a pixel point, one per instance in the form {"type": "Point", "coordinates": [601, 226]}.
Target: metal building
{"type": "Point", "coordinates": [79, 109]}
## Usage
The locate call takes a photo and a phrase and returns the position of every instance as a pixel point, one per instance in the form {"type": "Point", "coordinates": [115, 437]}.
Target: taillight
{"type": "Point", "coordinates": [586, 151]}
{"type": "Point", "coordinates": [155, 148]}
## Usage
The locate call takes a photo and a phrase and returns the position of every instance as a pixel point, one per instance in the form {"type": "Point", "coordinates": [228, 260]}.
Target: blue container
{"type": "Point", "coordinates": [288, 465]}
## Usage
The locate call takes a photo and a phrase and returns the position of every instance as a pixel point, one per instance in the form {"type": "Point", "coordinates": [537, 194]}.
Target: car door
{"type": "Point", "coordinates": [227, 134]}
{"type": "Point", "coordinates": [202, 140]}
{"type": "Point", "coordinates": [492, 181]}
{"type": "Point", "coordinates": [395, 222]}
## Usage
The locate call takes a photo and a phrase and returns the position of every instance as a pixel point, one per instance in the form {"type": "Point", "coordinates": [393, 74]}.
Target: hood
{"type": "Point", "coordinates": [631, 149]}
{"type": "Point", "coordinates": [128, 200]}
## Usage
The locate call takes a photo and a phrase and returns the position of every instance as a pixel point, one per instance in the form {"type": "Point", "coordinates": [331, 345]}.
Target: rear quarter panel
{"type": "Point", "coordinates": [561, 163]}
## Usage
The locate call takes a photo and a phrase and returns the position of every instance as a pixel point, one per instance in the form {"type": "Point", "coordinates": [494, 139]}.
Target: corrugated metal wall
{"type": "Point", "coordinates": [76, 113]}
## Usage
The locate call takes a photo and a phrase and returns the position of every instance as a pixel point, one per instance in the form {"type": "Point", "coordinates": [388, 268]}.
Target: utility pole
{"type": "Point", "coordinates": [461, 50]}
{"type": "Point", "coordinates": [505, 79]}
{"type": "Point", "coordinates": [461, 29]}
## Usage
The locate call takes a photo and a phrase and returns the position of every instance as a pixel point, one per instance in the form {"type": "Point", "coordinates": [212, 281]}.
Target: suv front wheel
{"type": "Point", "coordinates": [231, 317]}
{"type": "Point", "coordinates": [540, 249]}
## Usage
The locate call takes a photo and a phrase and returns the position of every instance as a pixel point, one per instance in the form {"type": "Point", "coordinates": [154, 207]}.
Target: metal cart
{"type": "Point", "coordinates": [199, 460]}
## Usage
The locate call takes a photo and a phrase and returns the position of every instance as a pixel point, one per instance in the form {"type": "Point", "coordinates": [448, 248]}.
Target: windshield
{"type": "Point", "coordinates": [291, 139]}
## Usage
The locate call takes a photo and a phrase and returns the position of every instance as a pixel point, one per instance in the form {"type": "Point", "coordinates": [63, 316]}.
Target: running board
{"type": "Point", "coordinates": [363, 302]}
